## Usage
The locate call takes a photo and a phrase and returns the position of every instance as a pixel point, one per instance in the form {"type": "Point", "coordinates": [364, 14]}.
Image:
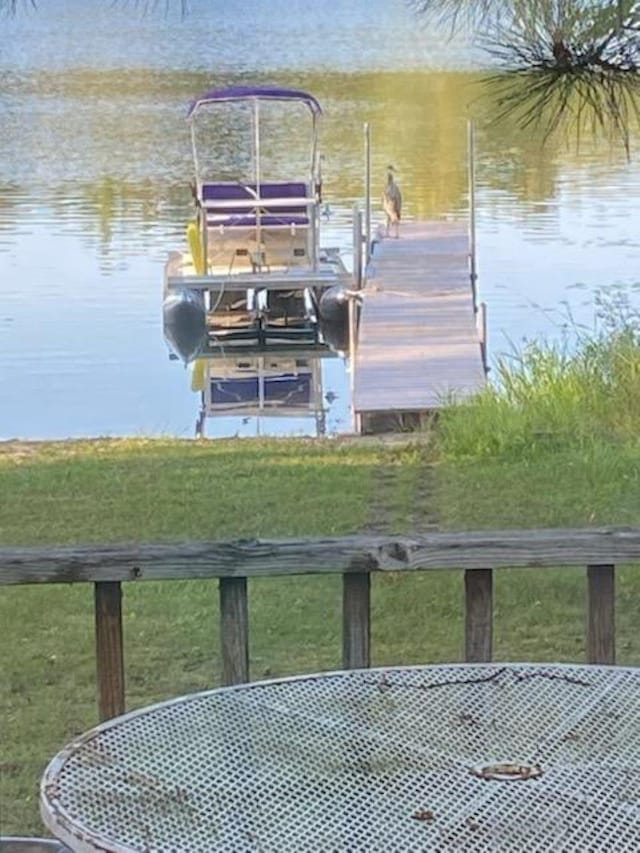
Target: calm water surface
{"type": "Point", "coordinates": [95, 163]}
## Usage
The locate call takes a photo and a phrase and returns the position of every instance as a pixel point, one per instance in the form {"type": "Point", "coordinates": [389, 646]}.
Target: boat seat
{"type": "Point", "coordinates": [234, 205]}
{"type": "Point", "coordinates": [228, 300]}
{"type": "Point", "coordinates": [229, 310]}
{"type": "Point", "coordinates": [286, 308]}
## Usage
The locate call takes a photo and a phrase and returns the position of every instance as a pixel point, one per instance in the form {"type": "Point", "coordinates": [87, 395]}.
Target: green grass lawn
{"type": "Point", "coordinates": [140, 490]}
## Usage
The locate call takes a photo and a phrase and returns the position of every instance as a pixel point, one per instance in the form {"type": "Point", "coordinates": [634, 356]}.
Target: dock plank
{"type": "Point", "coordinates": [418, 344]}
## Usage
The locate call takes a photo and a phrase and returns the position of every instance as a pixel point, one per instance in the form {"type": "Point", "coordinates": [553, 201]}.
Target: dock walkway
{"type": "Point", "coordinates": [418, 344]}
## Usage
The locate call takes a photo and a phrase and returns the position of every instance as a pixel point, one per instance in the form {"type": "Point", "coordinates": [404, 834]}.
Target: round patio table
{"type": "Point", "coordinates": [514, 757]}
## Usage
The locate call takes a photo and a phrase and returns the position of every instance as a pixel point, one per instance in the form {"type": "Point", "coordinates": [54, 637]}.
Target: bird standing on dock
{"type": "Point", "coordinates": [392, 202]}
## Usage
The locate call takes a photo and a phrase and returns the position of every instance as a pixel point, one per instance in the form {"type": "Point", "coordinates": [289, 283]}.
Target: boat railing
{"type": "Point", "coordinates": [275, 205]}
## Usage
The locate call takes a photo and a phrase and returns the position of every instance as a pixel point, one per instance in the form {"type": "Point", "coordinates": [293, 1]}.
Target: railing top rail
{"type": "Point", "coordinates": [356, 553]}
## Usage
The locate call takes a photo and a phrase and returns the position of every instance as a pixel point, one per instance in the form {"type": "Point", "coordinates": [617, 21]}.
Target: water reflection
{"type": "Point", "coordinates": [127, 156]}
{"type": "Point", "coordinates": [251, 387]}
{"type": "Point", "coordinates": [95, 164]}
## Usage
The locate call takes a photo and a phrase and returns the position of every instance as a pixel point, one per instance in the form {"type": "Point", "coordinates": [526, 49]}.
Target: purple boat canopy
{"type": "Point", "coordinates": [239, 93]}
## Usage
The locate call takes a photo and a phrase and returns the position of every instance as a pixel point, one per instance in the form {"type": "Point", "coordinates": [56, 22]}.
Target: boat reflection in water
{"type": "Point", "coordinates": [255, 386]}
{"type": "Point", "coordinates": [253, 374]}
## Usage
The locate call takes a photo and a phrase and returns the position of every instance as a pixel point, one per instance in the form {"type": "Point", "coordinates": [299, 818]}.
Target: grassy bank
{"type": "Point", "coordinates": [552, 447]}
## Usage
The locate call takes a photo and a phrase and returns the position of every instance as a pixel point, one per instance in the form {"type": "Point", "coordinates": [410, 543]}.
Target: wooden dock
{"type": "Point", "coordinates": [418, 343]}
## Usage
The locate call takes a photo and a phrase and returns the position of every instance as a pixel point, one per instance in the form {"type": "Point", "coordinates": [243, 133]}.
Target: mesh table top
{"type": "Point", "coordinates": [468, 757]}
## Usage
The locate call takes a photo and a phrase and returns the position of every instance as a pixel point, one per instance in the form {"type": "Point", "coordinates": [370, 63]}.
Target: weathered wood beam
{"type": "Point", "coordinates": [256, 557]}
{"type": "Point", "coordinates": [601, 631]}
{"type": "Point", "coordinates": [109, 649]}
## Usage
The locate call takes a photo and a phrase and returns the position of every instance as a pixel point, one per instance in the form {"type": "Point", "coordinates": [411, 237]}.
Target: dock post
{"type": "Point", "coordinates": [367, 191]}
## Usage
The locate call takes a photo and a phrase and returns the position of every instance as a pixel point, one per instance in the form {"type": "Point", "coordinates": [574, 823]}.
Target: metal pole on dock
{"type": "Point", "coordinates": [367, 191]}
{"type": "Point", "coordinates": [472, 211]}
{"type": "Point", "coordinates": [358, 276]}
{"type": "Point", "coordinates": [357, 247]}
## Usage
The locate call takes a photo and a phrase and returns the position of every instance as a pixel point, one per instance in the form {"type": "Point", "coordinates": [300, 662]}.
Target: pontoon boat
{"type": "Point", "coordinates": [253, 272]}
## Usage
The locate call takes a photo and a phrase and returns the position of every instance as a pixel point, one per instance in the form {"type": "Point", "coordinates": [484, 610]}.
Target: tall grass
{"type": "Point", "coordinates": [556, 395]}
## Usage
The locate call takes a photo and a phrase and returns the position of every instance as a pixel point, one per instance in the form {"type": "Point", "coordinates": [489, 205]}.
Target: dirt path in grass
{"type": "Point", "coordinates": [403, 499]}
{"type": "Point", "coordinates": [424, 513]}
{"type": "Point", "coordinates": [381, 516]}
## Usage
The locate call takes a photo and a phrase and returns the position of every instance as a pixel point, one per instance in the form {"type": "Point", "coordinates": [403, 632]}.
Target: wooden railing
{"type": "Point", "coordinates": [355, 557]}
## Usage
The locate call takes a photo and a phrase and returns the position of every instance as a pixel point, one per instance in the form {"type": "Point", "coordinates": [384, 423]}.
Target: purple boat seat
{"type": "Point", "coordinates": [234, 204]}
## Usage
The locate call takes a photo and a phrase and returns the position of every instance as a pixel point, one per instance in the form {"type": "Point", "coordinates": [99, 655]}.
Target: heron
{"type": "Point", "coordinates": [392, 202]}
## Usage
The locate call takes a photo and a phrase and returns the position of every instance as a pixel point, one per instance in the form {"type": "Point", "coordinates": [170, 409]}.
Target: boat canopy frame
{"type": "Point", "coordinates": [254, 95]}
{"type": "Point", "coordinates": [259, 202]}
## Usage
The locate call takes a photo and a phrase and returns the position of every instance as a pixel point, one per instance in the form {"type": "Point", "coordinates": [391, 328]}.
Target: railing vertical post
{"type": "Point", "coordinates": [234, 630]}
{"type": "Point", "coordinates": [356, 620]}
{"type": "Point", "coordinates": [478, 625]}
{"type": "Point", "coordinates": [109, 648]}
{"type": "Point", "coordinates": [601, 638]}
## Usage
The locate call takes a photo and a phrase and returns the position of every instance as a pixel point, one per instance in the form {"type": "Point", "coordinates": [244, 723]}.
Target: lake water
{"type": "Point", "coordinates": [95, 163]}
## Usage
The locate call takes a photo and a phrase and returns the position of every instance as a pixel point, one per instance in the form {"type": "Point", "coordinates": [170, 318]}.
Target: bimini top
{"type": "Point", "coordinates": [240, 93]}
